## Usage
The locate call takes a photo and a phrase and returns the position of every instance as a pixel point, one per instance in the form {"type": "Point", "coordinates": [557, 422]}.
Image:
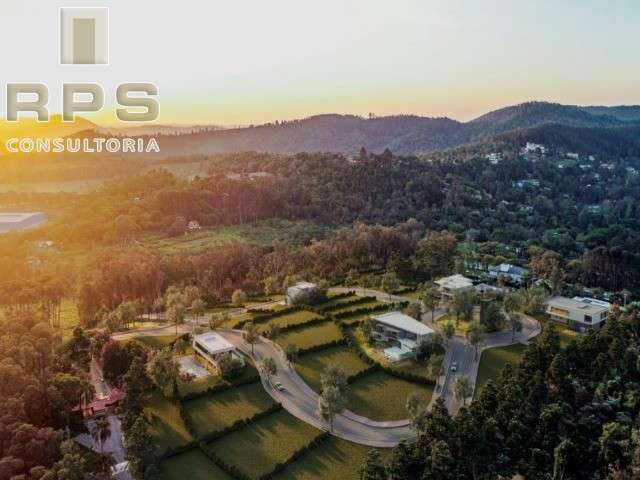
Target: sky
{"type": "Point", "coordinates": [255, 61]}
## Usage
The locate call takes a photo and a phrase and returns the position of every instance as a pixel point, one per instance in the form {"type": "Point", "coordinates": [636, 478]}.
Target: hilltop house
{"type": "Point", "coordinates": [403, 332]}
{"type": "Point", "coordinates": [453, 284]}
{"type": "Point", "coordinates": [302, 293]}
{"type": "Point", "coordinates": [512, 273]}
{"type": "Point", "coordinates": [580, 313]}
{"type": "Point", "coordinates": [214, 348]}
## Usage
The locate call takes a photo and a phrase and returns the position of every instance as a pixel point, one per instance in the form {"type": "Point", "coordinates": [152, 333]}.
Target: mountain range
{"type": "Point", "coordinates": [403, 134]}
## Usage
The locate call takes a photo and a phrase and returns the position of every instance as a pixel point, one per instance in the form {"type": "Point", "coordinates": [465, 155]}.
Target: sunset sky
{"type": "Point", "coordinates": [247, 62]}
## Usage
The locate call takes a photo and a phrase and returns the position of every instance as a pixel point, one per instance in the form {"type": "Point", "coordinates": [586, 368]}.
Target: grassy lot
{"type": "Point", "coordinates": [159, 341]}
{"type": "Point", "coordinates": [461, 326]}
{"type": "Point", "coordinates": [69, 318]}
{"type": "Point", "coordinates": [333, 458]}
{"type": "Point", "coordinates": [566, 334]}
{"type": "Point", "coordinates": [337, 301]}
{"type": "Point", "coordinates": [380, 396]}
{"type": "Point", "coordinates": [202, 384]}
{"type": "Point", "coordinates": [257, 448]}
{"type": "Point", "coordinates": [311, 336]}
{"type": "Point", "coordinates": [311, 366]}
{"type": "Point", "coordinates": [294, 318]}
{"type": "Point", "coordinates": [350, 308]}
{"type": "Point", "coordinates": [493, 361]}
{"type": "Point", "coordinates": [191, 465]}
{"type": "Point", "coordinates": [215, 412]}
{"type": "Point", "coordinates": [167, 428]}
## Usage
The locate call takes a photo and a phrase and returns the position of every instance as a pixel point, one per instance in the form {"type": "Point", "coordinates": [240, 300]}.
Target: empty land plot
{"type": "Point", "coordinates": [214, 412]}
{"type": "Point", "coordinates": [351, 308]}
{"type": "Point", "coordinates": [192, 465]}
{"type": "Point", "coordinates": [338, 301]}
{"type": "Point", "coordinates": [333, 458]}
{"type": "Point", "coordinates": [493, 360]}
{"type": "Point", "coordinates": [199, 385]}
{"type": "Point", "coordinates": [166, 425]}
{"type": "Point", "coordinates": [257, 448]}
{"type": "Point", "coordinates": [156, 341]}
{"type": "Point", "coordinates": [311, 336]}
{"type": "Point", "coordinates": [293, 318]}
{"type": "Point", "coordinates": [381, 397]}
{"type": "Point", "coordinates": [312, 365]}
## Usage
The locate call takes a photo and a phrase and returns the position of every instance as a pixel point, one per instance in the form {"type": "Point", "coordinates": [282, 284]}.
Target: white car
{"type": "Point", "coordinates": [279, 387]}
{"type": "Point", "coordinates": [454, 366]}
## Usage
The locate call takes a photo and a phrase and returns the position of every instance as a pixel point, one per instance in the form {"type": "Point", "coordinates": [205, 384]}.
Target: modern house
{"type": "Point", "coordinates": [453, 284]}
{"type": "Point", "coordinates": [403, 332]}
{"type": "Point", "coordinates": [301, 292]}
{"type": "Point", "coordinates": [580, 313]}
{"type": "Point", "coordinates": [193, 225]}
{"type": "Point", "coordinates": [213, 348]}
{"type": "Point", "coordinates": [511, 273]}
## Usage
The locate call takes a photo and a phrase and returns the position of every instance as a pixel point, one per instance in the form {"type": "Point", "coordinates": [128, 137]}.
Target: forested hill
{"type": "Point", "coordinates": [406, 134]}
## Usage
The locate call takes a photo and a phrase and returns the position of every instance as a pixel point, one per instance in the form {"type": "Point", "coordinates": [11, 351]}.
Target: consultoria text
{"type": "Point", "coordinates": [82, 145]}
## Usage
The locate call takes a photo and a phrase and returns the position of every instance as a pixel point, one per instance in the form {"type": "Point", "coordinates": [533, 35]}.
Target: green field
{"type": "Point", "coordinates": [310, 336]}
{"type": "Point", "coordinates": [312, 365]}
{"type": "Point", "coordinates": [293, 318]}
{"type": "Point", "coordinates": [191, 465]}
{"type": "Point", "coordinates": [159, 341]}
{"type": "Point", "coordinates": [167, 428]}
{"type": "Point", "coordinates": [381, 397]}
{"type": "Point", "coordinates": [212, 413]}
{"type": "Point", "coordinates": [493, 361]}
{"type": "Point", "coordinates": [349, 308]}
{"type": "Point", "coordinates": [334, 458]}
{"type": "Point", "coordinates": [338, 300]}
{"type": "Point", "coordinates": [257, 448]}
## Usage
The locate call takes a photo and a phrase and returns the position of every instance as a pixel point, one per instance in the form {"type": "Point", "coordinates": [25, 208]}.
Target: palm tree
{"type": "Point", "coordinates": [101, 431]}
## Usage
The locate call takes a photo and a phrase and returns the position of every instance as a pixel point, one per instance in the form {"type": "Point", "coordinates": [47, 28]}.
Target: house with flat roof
{"type": "Point", "coordinates": [511, 273]}
{"type": "Point", "coordinates": [580, 313]}
{"type": "Point", "coordinates": [213, 347]}
{"type": "Point", "coordinates": [452, 284]}
{"type": "Point", "coordinates": [301, 292]}
{"type": "Point", "coordinates": [403, 332]}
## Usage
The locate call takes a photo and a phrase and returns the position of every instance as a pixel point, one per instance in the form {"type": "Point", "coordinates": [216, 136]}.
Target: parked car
{"type": "Point", "coordinates": [279, 387]}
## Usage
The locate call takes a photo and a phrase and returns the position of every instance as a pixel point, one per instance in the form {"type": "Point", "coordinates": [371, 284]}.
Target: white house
{"type": "Point", "coordinates": [405, 333]}
{"type": "Point", "coordinates": [213, 348]}
{"type": "Point", "coordinates": [301, 292]}
{"type": "Point", "coordinates": [580, 313]}
{"type": "Point", "coordinates": [449, 286]}
{"type": "Point", "coordinates": [193, 225]}
{"type": "Point", "coordinates": [512, 273]}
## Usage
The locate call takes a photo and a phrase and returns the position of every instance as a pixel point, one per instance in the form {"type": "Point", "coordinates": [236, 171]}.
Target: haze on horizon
{"type": "Point", "coordinates": [254, 62]}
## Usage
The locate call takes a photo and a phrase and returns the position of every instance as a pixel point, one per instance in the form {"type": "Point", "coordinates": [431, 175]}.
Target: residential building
{"type": "Point", "coordinates": [534, 148]}
{"type": "Point", "coordinates": [213, 347]}
{"type": "Point", "coordinates": [580, 313]}
{"type": "Point", "coordinates": [449, 286]}
{"type": "Point", "coordinates": [403, 332]}
{"type": "Point", "coordinates": [193, 225]}
{"type": "Point", "coordinates": [511, 273]}
{"type": "Point", "coordinates": [301, 292]}
{"type": "Point", "coordinates": [494, 158]}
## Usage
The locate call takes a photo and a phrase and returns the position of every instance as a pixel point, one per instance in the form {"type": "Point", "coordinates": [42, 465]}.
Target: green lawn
{"type": "Point", "coordinates": [167, 428]}
{"type": "Point", "coordinates": [212, 413]}
{"type": "Point", "coordinates": [257, 448]}
{"type": "Point", "coordinates": [349, 308]}
{"type": "Point", "coordinates": [566, 334]}
{"type": "Point", "coordinates": [311, 336]}
{"type": "Point", "coordinates": [334, 458]}
{"type": "Point", "coordinates": [191, 465]}
{"type": "Point", "coordinates": [293, 318]}
{"type": "Point", "coordinates": [381, 397]}
{"type": "Point", "coordinates": [312, 365]}
{"type": "Point", "coordinates": [202, 384]}
{"type": "Point", "coordinates": [69, 318]}
{"type": "Point", "coordinates": [159, 341]}
{"type": "Point", "coordinates": [493, 361]}
{"type": "Point", "coordinates": [337, 301]}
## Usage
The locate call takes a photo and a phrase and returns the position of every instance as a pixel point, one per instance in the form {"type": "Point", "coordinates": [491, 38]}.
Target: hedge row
{"type": "Point", "coordinates": [356, 301]}
{"type": "Point", "coordinates": [334, 343]}
{"type": "Point", "coordinates": [363, 310]}
{"type": "Point", "coordinates": [279, 467]}
{"type": "Point", "coordinates": [221, 388]}
{"type": "Point", "coordinates": [231, 470]}
{"type": "Point", "coordinates": [262, 315]}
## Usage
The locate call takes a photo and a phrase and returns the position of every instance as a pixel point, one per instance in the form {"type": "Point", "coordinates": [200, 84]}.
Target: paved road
{"type": "Point", "coordinates": [301, 401]}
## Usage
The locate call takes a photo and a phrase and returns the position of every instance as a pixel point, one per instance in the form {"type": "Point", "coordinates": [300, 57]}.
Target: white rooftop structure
{"type": "Point", "coordinates": [583, 312]}
{"type": "Point", "coordinates": [214, 343]}
{"type": "Point", "coordinates": [454, 283]}
{"type": "Point", "coordinates": [403, 322]}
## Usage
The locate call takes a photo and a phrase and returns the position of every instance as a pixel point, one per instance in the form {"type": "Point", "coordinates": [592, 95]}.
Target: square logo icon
{"type": "Point", "coordinates": [84, 36]}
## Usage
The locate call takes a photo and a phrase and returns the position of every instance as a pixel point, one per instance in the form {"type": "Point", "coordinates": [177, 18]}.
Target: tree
{"type": "Point", "coordinates": [198, 307]}
{"type": "Point", "coordinates": [115, 361]}
{"type": "Point", "coordinates": [435, 253]}
{"type": "Point", "coordinates": [390, 282]}
{"type": "Point", "coordinates": [250, 335]}
{"type": "Point", "coordinates": [163, 371]}
{"type": "Point", "coordinates": [292, 352]}
{"type": "Point", "coordinates": [335, 376]}
{"type": "Point", "coordinates": [367, 328]}
{"type": "Point", "coordinates": [239, 298]}
{"type": "Point", "coordinates": [101, 431]}
{"type": "Point", "coordinates": [176, 314]}
{"type": "Point", "coordinates": [414, 310]}
{"type": "Point", "coordinates": [139, 447]}
{"type": "Point", "coordinates": [270, 368]}
{"type": "Point", "coordinates": [462, 305]}
{"type": "Point", "coordinates": [474, 335]}
{"type": "Point", "coordinates": [491, 316]}
{"type": "Point", "coordinates": [515, 322]}
{"type": "Point", "coordinates": [512, 302]}
{"type": "Point", "coordinates": [449, 330]}
{"type": "Point", "coordinates": [373, 467]}
{"type": "Point", "coordinates": [330, 403]}
{"type": "Point", "coordinates": [463, 389]}
{"type": "Point", "coordinates": [430, 298]}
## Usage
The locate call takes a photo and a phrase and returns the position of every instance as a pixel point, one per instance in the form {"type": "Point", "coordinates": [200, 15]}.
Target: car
{"type": "Point", "coordinates": [279, 387]}
{"type": "Point", "coordinates": [454, 366]}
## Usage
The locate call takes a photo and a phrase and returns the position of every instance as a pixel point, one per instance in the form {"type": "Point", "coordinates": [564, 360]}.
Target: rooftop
{"type": "Point", "coordinates": [214, 342]}
{"type": "Point", "coordinates": [304, 285]}
{"type": "Point", "coordinates": [507, 268]}
{"type": "Point", "coordinates": [455, 281]}
{"type": "Point", "coordinates": [403, 322]}
{"type": "Point", "coordinates": [590, 306]}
